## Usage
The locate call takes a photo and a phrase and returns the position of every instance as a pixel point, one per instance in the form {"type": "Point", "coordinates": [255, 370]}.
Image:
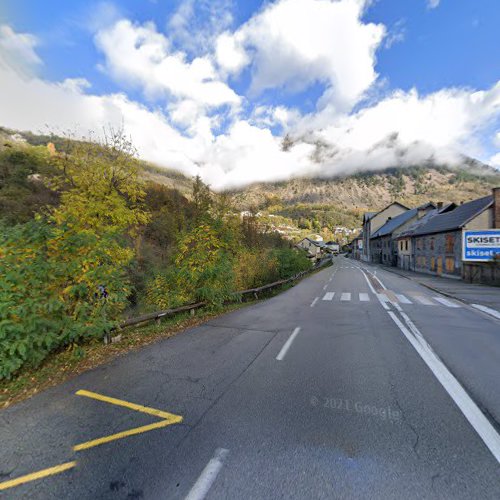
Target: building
{"type": "Point", "coordinates": [383, 241]}
{"type": "Point", "coordinates": [356, 246]}
{"type": "Point", "coordinates": [373, 221]}
{"type": "Point", "coordinates": [315, 249]}
{"type": "Point", "coordinates": [433, 244]}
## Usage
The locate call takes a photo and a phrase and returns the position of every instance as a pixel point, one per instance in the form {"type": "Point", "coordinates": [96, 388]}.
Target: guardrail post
{"type": "Point", "coordinates": [192, 312]}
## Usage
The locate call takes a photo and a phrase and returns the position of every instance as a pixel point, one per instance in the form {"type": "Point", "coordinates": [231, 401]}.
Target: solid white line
{"type": "Point", "coordinates": [487, 310]}
{"type": "Point", "coordinates": [381, 284]}
{"type": "Point", "coordinates": [208, 476]}
{"type": "Point", "coordinates": [446, 302]}
{"type": "Point", "coordinates": [363, 297]}
{"type": "Point", "coordinates": [287, 345]}
{"type": "Point", "coordinates": [345, 296]}
{"type": "Point", "coordinates": [383, 299]}
{"type": "Point", "coordinates": [313, 303]}
{"type": "Point", "coordinates": [368, 281]}
{"type": "Point", "coordinates": [328, 295]}
{"type": "Point", "coordinates": [403, 299]}
{"type": "Point", "coordinates": [467, 406]}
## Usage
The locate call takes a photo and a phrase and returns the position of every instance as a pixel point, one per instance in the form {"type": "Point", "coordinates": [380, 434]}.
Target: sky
{"type": "Point", "coordinates": [255, 91]}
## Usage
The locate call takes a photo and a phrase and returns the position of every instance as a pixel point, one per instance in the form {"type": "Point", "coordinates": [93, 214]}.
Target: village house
{"type": "Point", "coordinates": [314, 248]}
{"type": "Point", "coordinates": [373, 221]}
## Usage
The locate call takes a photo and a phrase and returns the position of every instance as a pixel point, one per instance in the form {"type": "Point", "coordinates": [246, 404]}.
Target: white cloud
{"type": "Point", "coordinates": [295, 43]}
{"type": "Point", "coordinates": [432, 4]}
{"type": "Point", "coordinates": [195, 25]}
{"type": "Point", "coordinates": [494, 161]}
{"type": "Point", "coordinates": [141, 56]}
{"type": "Point", "coordinates": [17, 50]}
{"type": "Point", "coordinates": [398, 129]}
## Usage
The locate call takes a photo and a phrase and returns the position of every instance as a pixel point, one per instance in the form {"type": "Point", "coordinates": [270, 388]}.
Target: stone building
{"type": "Point", "coordinates": [373, 221]}
{"type": "Point", "coordinates": [435, 243]}
{"type": "Point", "coordinates": [383, 241]}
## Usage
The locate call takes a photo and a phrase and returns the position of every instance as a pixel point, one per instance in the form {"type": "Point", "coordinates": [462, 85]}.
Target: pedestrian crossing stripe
{"type": "Point", "coordinates": [391, 297]}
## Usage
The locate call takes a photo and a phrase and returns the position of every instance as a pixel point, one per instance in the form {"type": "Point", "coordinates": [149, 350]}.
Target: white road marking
{"type": "Point", "coordinates": [328, 295]}
{"type": "Point", "coordinates": [403, 299]}
{"type": "Point", "coordinates": [446, 302]}
{"type": "Point", "coordinates": [287, 345]}
{"type": "Point", "coordinates": [208, 476]}
{"type": "Point", "coordinates": [487, 310]}
{"type": "Point", "coordinates": [368, 281]}
{"type": "Point", "coordinates": [325, 287]}
{"type": "Point", "coordinates": [345, 296]}
{"type": "Point", "coordinates": [469, 409]}
{"type": "Point", "coordinates": [363, 297]}
{"type": "Point", "coordinates": [423, 300]}
{"type": "Point", "coordinates": [313, 303]}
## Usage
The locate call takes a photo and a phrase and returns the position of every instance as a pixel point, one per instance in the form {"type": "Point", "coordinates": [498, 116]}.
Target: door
{"type": "Point", "coordinates": [440, 265]}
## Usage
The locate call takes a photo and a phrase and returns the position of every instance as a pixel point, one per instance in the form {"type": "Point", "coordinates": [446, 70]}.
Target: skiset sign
{"type": "Point", "coordinates": [480, 245]}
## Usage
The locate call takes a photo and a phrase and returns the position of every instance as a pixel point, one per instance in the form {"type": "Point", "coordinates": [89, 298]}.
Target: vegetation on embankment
{"type": "Point", "coordinates": [98, 242]}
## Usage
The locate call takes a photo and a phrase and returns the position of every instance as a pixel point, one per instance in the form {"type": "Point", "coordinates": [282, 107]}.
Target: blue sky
{"type": "Point", "coordinates": [211, 87]}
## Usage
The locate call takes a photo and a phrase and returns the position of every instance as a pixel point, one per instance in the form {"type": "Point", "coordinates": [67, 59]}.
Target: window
{"type": "Point", "coordinates": [406, 244]}
{"type": "Point", "coordinates": [450, 243]}
{"type": "Point", "coordinates": [432, 243]}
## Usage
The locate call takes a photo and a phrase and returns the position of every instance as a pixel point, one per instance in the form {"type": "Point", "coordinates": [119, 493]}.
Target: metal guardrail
{"type": "Point", "coordinates": [191, 307]}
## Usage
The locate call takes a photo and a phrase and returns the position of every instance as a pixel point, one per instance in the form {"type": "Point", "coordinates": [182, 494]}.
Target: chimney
{"type": "Point", "coordinates": [496, 208]}
{"type": "Point", "coordinates": [439, 205]}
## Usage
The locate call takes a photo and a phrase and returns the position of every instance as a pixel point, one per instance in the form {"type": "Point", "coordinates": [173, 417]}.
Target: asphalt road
{"type": "Point", "coordinates": [356, 383]}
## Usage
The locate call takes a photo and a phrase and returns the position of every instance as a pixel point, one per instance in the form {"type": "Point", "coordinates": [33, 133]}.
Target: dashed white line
{"type": "Point", "coordinates": [313, 303]}
{"type": "Point", "coordinates": [325, 287]}
{"type": "Point", "coordinates": [363, 297]}
{"type": "Point", "coordinates": [210, 472]}
{"type": "Point", "coordinates": [287, 345]}
{"type": "Point", "coordinates": [446, 302]}
{"type": "Point", "coordinates": [345, 296]}
{"type": "Point", "coordinates": [329, 296]}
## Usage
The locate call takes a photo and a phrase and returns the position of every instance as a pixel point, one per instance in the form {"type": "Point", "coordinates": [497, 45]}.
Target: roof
{"type": "Point", "coordinates": [369, 215]}
{"type": "Point", "coordinates": [314, 242]}
{"type": "Point", "coordinates": [455, 219]}
{"type": "Point", "coordinates": [392, 224]}
{"type": "Point", "coordinates": [418, 223]}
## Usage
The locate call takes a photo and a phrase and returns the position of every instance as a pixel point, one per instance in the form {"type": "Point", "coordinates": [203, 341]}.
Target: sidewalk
{"type": "Point", "coordinates": [482, 295]}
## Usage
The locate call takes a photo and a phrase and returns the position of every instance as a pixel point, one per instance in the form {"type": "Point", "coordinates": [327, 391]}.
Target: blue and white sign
{"type": "Point", "coordinates": [480, 245]}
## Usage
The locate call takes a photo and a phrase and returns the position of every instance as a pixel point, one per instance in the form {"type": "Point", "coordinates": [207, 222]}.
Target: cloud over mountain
{"type": "Point", "coordinates": [221, 107]}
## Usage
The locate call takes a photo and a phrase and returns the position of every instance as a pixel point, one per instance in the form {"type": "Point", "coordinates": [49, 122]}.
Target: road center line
{"type": "Point", "coordinates": [208, 476]}
{"type": "Point", "coordinates": [287, 345]}
{"type": "Point", "coordinates": [313, 303]}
